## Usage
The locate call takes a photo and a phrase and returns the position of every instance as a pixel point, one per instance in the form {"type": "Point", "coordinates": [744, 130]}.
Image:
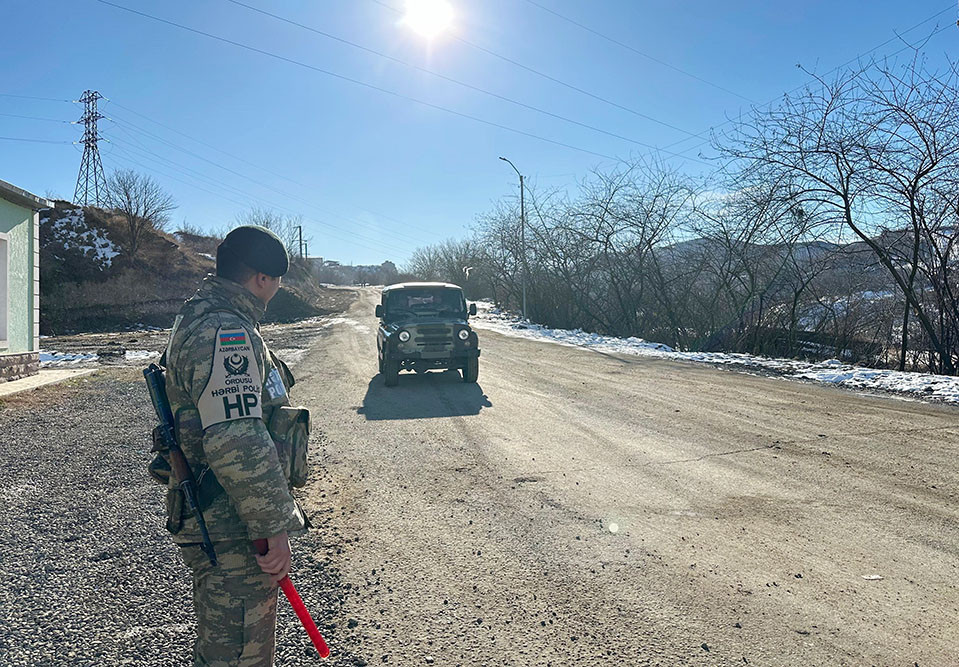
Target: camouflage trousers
{"type": "Point", "coordinates": [235, 607]}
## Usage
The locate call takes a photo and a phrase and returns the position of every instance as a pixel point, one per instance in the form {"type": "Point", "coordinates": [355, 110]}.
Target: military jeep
{"type": "Point", "coordinates": [424, 326]}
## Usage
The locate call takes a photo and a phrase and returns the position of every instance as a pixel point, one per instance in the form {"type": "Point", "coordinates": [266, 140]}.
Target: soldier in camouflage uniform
{"type": "Point", "coordinates": [246, 445]}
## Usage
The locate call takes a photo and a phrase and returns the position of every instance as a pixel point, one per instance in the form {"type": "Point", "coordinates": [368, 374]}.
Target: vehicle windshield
{"type": "Point", "coordinates": [441, 301]}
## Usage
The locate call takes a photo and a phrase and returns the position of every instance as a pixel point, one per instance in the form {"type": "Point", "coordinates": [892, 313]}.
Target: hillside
{"type": "Point", "coordinates": [89, 283]}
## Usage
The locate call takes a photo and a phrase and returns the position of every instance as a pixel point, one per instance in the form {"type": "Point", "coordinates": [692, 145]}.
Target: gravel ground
{"type": "Point", "coordinates": [279, 336]}
{"type": "Point", "coordinates": [89, 574]}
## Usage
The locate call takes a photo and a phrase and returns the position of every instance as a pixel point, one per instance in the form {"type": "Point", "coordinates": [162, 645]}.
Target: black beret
{"type": "Point", "coordinates": [258, 248]}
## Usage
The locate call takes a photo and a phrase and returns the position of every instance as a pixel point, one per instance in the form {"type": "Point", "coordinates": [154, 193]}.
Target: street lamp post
{"type": "Point", "coordinates": [522, 227]}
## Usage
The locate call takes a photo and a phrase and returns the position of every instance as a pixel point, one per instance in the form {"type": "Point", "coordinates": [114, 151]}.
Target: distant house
{"type": "Point", "coordinates": [19, 281]}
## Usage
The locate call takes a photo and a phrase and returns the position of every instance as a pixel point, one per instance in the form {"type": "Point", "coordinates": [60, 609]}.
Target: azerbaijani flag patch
{"type": "Point", "coordinates": [233, 338]}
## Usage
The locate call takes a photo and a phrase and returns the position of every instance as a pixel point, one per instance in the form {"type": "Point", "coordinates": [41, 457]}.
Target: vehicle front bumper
{"type": "Point", "coordinates": [455, 355]}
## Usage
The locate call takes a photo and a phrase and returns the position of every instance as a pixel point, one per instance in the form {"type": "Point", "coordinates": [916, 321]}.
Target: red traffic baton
{"type": "Point", "coordinates": [302, 613]}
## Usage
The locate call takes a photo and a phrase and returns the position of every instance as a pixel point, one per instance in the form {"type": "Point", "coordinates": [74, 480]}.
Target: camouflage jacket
{"type": "Point", "coordinates": [224, 387]}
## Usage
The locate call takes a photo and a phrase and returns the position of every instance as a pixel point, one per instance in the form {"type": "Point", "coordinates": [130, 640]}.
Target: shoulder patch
{"type": "Point", "coordinates": [234, 388]}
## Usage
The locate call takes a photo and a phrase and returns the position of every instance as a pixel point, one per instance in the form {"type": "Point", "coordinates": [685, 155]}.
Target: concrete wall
{"type": "Point", "coordinates": [20, 226]}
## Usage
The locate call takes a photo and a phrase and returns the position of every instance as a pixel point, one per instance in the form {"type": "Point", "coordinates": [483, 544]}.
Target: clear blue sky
{"type": "Point", "coordinates": [375, 175]}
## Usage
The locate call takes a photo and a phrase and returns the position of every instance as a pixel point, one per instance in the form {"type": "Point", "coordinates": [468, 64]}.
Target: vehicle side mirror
{"type": "Point", "coordinates": [379, 310]}
{"type": "Point", "coordinates": [472, 309]}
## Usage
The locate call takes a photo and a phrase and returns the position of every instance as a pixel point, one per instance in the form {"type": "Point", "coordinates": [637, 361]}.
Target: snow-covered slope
{"type": "Point", "coordinates": [833, 371]}
{"type": "Point", "coordinates": [71, 232]}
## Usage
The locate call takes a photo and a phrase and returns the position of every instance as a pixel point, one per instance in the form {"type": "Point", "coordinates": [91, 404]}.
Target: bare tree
{"type": "Point", "coordinates": [871, 150]}
{"type": "Point", "coordinates": [287, 227]}
{"type": "Point", "coordinates": [830, 230]}
{"type": "Point", "coordinates": [142, 204]}
{"type": "Point", "coordinates": [461, 262]}
{"type": "Point", "coordinates": [424, 263]}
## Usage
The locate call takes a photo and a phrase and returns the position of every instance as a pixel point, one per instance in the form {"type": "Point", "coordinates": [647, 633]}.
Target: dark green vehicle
{"type": "Point", "coordinates": [424, 326]}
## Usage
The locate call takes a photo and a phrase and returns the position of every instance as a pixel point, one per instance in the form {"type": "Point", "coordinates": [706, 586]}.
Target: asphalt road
{"type": "Point", "coordinates": [576, 508]}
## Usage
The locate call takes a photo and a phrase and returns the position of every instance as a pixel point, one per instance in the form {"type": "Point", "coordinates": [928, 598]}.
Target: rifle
{"type": "Point", "coordinates": [156, 385]}
{"type": "Point", "coordinates": [289, 590]}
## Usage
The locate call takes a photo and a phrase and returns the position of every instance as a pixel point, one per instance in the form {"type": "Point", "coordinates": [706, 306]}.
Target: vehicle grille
{"type": "Point", "coordinates": [431, 336]}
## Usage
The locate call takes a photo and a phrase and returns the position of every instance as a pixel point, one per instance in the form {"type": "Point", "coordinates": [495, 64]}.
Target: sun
{"type": "Point", "coordinates": [428, 17]}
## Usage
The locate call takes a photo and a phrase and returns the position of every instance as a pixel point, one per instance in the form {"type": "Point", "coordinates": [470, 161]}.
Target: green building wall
{"type": "Point", "coordinates": [19, 224]}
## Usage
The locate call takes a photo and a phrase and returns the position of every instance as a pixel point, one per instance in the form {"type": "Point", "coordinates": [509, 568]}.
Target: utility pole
{"type": "Point", "coordinates": [299, 231]}
{"type": "Point", "coordinates": [91, 185]}
{"type": "Point", "coordinates": [522, 228]}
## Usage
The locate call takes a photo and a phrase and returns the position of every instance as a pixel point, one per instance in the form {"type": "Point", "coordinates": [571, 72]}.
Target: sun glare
{"type": "Point", "coordinates": [428, 17]}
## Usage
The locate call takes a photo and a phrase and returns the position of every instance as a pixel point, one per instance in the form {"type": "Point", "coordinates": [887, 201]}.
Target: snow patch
{"type": "Point", "coordinates": [831, 371]}
{"type": "Point", "coordinates": [52, 359]}
{"type": "Point", "coordinates": [72, 232]}
{"type": "Point", "coordinates": [333, 321]}
{"type": "Point", "coordinates": [491, 318]}
{"type": "Point", "coordinates": [49, 358]}
{"type": "Point", "coordinates": [141, 355]}
{"type": "Point", "coordinates": [291, 355]}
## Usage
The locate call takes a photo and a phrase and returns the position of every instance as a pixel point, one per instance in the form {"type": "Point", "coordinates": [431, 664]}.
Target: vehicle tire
{"type": "Point", "coordinates": [471, 370]}
{"type": "Point", "coordinates": [391, 372]}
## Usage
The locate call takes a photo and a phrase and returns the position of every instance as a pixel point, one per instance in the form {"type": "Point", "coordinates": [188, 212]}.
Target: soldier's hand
{"type": "Point", "coordinates": [277, 560]}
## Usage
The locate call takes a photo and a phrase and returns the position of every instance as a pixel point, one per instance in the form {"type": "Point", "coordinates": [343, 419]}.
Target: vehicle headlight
{"type": "Point", "coordinates": [463, 334]}
{"type": "Point", "coordinates": [403, 336]}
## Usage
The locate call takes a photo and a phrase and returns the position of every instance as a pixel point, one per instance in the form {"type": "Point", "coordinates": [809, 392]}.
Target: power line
{"type": "Point", "coordinates": [371, 86]}
{"type": "Point", "coordinates": [252, 201]}
{"type": "Point", "coordinates": [243, 193]}
{"type": "Point", "coordinates": [638, 52]}
{"type": "Point", "coordinates": [52, 120]}
{"type": "Point", "coordinates": [117, 149]}
{"type": "Point", "coordinates": [131, 152]}
{"type": "Point", "coordinates": [236, 173]}
{"type": "Point", "coordinates": [208, 145]}
{"type": "Point", "coordinates": [147, 154]}
{"type": "Point", "coordinates": [364, 84]}
{"type": "Point", "coordinates": [127, 157]}
{"type": "Point", "coordinates": [34, 97]}
{"type": "Point", "coordinates": [36, 141]}
{"type": "Point", "coordinates": [553, 79]}
{"type": "Point", "coordinates": [130, 158]}
{"type": "Point", "coordinates": [260, 167]}
{"type": "Point", "coordinates": [691, 134]}
{"type": "Point", "coordinates": [897, 35]}
{"type": "Point", "coordinates": [191, 153]}
{"type": "Point", "coordinates": [835, 69]}
{"type": "Point", "coordinates": [462, 83]}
